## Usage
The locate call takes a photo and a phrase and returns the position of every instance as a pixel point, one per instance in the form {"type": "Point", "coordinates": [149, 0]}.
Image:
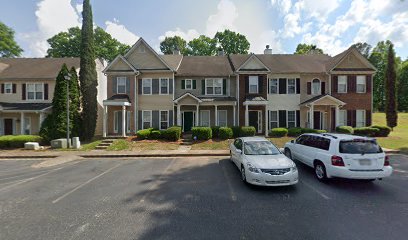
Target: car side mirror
{"type": "Point", "coordinates": [239, 151]}
{"type": "Point", "coordinates": [292, 141]}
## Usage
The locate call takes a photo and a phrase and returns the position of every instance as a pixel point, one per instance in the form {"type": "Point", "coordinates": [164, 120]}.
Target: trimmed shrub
{"type": "Point", "coordinates": [17, 141]}
{"type": "Point", "coordinates": [366, 131]}
{"type": "Point", "coordinates": [294, 132]}
{"type": "Point", "coordinates": [384, 131]}
{"type": "Point", "coordinates": [171, 133]}
{"type": "Point", "coordinates": [202, 133]}
{"type": "Point", "coordinates": [235, 131]}
{"type": "Point", "coordinates": [247, 131]}
{"type": "Point", "coordinates": [345, 129]}
{"type": "Point", "coordinates": [144, 133]}
{"type": "Point", "coordinates": [309, 130]}
{"type": "Point", "coordinates": [278, 132]}
{"type": "Point", "coordinates": [321, 131]}
{"type": "Point", "coordinates": [155, 134]}
{"type": "Point", "coordinates": [225, 133]}
{"type": "Point", "coordinates": [215, 131]}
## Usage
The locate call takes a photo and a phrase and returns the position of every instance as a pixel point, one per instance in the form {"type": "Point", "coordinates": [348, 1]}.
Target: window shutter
{"type": "Point", "coordinates": [140, 120]}
{"type": "Point", "coordinates": [268, 120]}
{"type": "Point", "coordinates": [260, 82]}
{"type": "Point", "coordinates": [334, 84]}
{"type": "Point", "coordinates": [246, 84]}
{"type": "Point", "coordinates": [2, 88]}
{"type": "Point", "coordinates": [282, 85]}
{"type": "Point", "coordinates": [114, 85]}
{"type": "Point", "coordinates": [309, 88]}
{"type": "Point", "coordinates": [323, 88]}
{"type": "Point", "coordinates": [354, 120]}
{"type": "Point", "coordinates": [171, 86]}
{"type": "Point", "coordinates": [23, 92]}
{"type": "Point", "coordinates": [203, 87]}
{"type": "Point", "coordinates": [224, 86]}
{"type": "Point", "coordinates": [155, 119]}
{"type": "Point", "coordinates": [127, 86]}
{"type": "Point", "coordinates": [139, 86]}
{"type": "Point", "coordinates": [333, 118]}
{"type": "Point", "coordinates": [171, 118]}
{"type": "Point", "coordinates": [297, 85]}
{"type": "Point", "coordinates": [349, 117]}
{"type": "Point", "coordinates": [155, 86]}
{"type": "Point", "coordinates": [368, 83]}
{"type": "Point", "coordinates": [194, 84]}
{"type": "Point", "coordinates": [368, 117]}
{"type": "Point", "coordinates": [350, 88]}
{"type": "Point", "coordinates": [14, 88]}
{"type": "Point", "coordinates": [282, 118]}
{"type": "Point", "coordinates": [183, 84]}
{"type": "Point", "coordinates": [46, 91]}
{"type": "Point", "coordinates": [297, 118]}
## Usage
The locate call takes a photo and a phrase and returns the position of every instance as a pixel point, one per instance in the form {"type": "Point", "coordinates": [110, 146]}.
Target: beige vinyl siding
{"type": "Point", "coordinates": [351, 61]}
{"type": "Point", "coordinates": [198, 91]}
{"type": "Point", "coordinates": [16, 97]}
{"type": "Point", "coordinates": [120, 65]}
{"type": "Point", "coordinates": [145, 60]}
{"type": "Point", "coordinates": [304, 78]}
{"type": "Point", "coordinates": [155, 102]}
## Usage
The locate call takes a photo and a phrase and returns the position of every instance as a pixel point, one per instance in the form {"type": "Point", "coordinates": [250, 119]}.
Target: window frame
{"type": "Point", "coordinates": [270, 85]}
{"type": "Point", "coordinates": [344, 122]}
{"type": "Point", "coordinates": [191, 84]}
{"type": "Point", "coordinates": [345, 83]}
{"type": "Point", "coordinates": [365, 83]}
{"type": "Point", "coordinates": [364, 118]}
{"type": "Point", "coordinates": [319, 92]}
{"type": "Point", "coordinates": [5, 88]}
{"type": "Point", "coordinates": [271, 121]}
{"type": "Point", "coordinates": [213, 87]}
{"type": "Point", "coordinates": [226, 118]}
{"type": "Point", "coordinates": [249, 84]}
{"type": "Point", "coordinates": [117, 84]}
{"type": "Point", "coordinates": [160, 86]}
{"type": "Point", "coordinates": [25, 125]}
{"type": "Point", "coordinates": [209, 118]}
{"type": "Point", "coordinates": [35, 91]}
{"type": "Point", "coordinates": [287, 118]}
{"type": "Point", "coordinates": [294, 85]}
{"type": "Point", "coordinates": [151, 86]}
{"type": "Point", "coordinates": [143, 118]}
{"type": "Point", "coordinates": [161, 121]}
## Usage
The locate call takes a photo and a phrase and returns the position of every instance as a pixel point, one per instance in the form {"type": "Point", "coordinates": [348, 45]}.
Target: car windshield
{"type": "Point", "coordinates": [260, 148]}
{"type": "Point", "coordinates": [359, 146]}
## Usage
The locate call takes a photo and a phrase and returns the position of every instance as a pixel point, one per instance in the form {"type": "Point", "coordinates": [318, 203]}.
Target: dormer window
{"type": "Point", "coordinates": [316, 87]}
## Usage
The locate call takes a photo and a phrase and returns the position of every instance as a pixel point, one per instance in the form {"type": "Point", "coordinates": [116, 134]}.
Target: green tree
{"type": "Point", "coordinates": [87, 74]}
{"type": "Point", "coordinates": [403, 87]}
{"type": "Point", "coordinates": [75, 103]}
{"type": "Point", "coordinates": [303, 48]}
{"type": "Point", "coordinates": [363, 48]}
{"type": "Point", "coordinates": [170, 44]}
{"type": "Point", "coordinates": [202, 46]}
{"type": "Point", "coordinates": [68, 44]}
{"type": "Point", "coordinates": [232, 42]}
{"type": "Point", "coordinates": [391, 89]}
{"type": "Point", "coordinates": [8, 46]}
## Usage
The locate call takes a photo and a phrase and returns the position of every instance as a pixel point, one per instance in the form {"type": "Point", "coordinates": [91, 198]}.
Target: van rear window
{"type": "Point", "coordinates": [359, 146]}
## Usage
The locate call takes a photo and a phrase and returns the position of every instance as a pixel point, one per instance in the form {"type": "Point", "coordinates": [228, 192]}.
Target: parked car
{"type": "Point", "coordinates": [261, 162]}
{"type": "Point", "coordinates": [340, 155]}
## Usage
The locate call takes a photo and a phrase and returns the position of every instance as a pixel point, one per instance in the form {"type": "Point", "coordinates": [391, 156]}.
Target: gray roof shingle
{"type": "Point", "coordinates": [24, 106]}
{"type": "Point", "coordinates": [206, 66]}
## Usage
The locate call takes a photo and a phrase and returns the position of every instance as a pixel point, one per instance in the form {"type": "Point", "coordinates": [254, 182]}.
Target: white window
{"type": "Point", "coordinates": [253, 84]}
{"type": "Point", "coordinates": [164, 86]}
{"type": "Point", "coordinates": [8, 88]}
{"type": "Point", "coordinates": [213, 86]}
{"type": "Point", "coordinates": [273, 86]}
{"type": "Point", "coordinates": [291, 86]}
{"type": "Point", "coordinates": [291, 119]}
{"type": "Point", "coordinates": [342, 118]}
{"type": "Point", "coordinates": [360, 118]}
{"type": "Point", "coordinates": [35, 91]}
{"type": "Point", "coordinates": [121, 85]}
{"type": "Point", "coordinates": [147, 86]}
{"type": "Point", "coordinates": [316, 87]}
{"type": "Point", "coordinates": [273, 119]}
{"type": "Point", "coordinates": [188, 84]}
{"type": "Point", "coordinates": [205, 118]}
{"type": "Point", "coordinates": [164, 120]}
{"type": "Point", "coordinates": [222, 118]}
{"type": "Point", "coordinates": [342, 84]}
{"type": "Point", "coordinates": [147, 119]}
{"type": "Point", "coordinates": [361, 84]}
{"type": "Point", "coordinates": [27, 125]}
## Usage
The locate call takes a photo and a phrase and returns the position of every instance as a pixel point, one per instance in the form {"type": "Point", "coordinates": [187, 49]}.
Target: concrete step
{"type": "Point", "coordinates": [108, 141]}
{"type": "Point", "coordinates": [105, 144]}
{"type": "Point", "coordinates": [101, 147]}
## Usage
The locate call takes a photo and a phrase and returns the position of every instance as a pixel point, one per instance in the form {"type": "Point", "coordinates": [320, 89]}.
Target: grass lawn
{"type": "Point", "coordinates": [153, 145]}
{"type": "Point", "coordinates": [211, 145]}
{"type": "Point", "coordinates": [119, 145]}
{"type": "Point", "coordinates": [280, 142]}
{"type": "Point", "coordinates": [398, 139]}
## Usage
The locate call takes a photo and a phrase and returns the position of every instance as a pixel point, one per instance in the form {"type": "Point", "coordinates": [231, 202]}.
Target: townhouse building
{"type": "Point", "coordinates": [27, 88]}
{"type": "Point", "coordinates": [267, 90]}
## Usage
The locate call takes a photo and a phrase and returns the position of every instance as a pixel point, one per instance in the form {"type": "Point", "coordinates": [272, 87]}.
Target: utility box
{"type": "Point", "coordinates": [59, 143]}
{"type": "Point", "coordinates": [31, 146]}
{"type": "Point", "coordinates": [76, 144]}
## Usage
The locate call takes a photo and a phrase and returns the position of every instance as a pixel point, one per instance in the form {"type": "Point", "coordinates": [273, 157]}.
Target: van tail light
{"type": "Point", "coordinates": [337, 161]}
{"type": "Point", "coordinates": [387, 161]}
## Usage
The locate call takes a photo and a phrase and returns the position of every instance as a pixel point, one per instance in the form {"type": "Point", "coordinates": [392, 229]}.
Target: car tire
{"type": "Point", "coordinates": [288, 153]}
{"type": "Point", "coordinates": [243, 175]}
{"type": "Point", "coordinates": [320, 171]}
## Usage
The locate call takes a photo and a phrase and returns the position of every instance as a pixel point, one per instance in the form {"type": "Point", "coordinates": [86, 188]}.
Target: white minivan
{"type": "Point", "coordinates": [340, 155]}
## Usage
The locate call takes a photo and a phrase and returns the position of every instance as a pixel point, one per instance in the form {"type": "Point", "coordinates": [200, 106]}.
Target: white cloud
{"type": "Point", "coordinates": [188, 35]}
{"type": "Point", "coordinates": [120, 32]}
{"type": "Point", "coordinates": [223, 19]}
{"type": "Point", "coordinates": [268, 37]}
{"type": "Point", "coordinates": [283, 5]}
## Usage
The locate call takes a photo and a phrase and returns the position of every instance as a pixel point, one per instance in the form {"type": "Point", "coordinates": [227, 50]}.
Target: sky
{"type": "Point", "coordinates": [332, 25]}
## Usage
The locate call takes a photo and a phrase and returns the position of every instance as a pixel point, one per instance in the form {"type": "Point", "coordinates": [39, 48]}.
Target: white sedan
{"type": "Point", "coordinates": [261, 162]}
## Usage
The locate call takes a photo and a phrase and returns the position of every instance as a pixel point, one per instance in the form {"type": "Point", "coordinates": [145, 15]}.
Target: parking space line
{"type": "Point", "coordinates": [227, 178]}
{"type": "Point", "coordinates": [23, 174]}
{"type": "Point", "coordinates": [83, 184]}
{"type": "Point", "coordinates": [315, 190]}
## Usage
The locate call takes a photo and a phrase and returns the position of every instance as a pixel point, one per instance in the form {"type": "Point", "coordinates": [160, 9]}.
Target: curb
{"type": "Point", "coordinates": [29, 157]}
{"type": "Point", "coordinates": [156, 155]}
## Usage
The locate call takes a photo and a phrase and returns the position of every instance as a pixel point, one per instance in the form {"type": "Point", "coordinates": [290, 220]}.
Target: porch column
{"type": "Point", "coordinates": [105, 120]}
{"type": "Point", "coordinates": [246, 116]}
{"type": "Point", "coordinates": [216, 116]}
{"type": "Point", "coordinates": [123, 121]}
{"type": "Point", "coordinates": [233, 115]}
{"type": "Point", "coordinates": [22, 123]}
{"type": "Point", "coordinates": [337, 120]}
{"type": "Point", "coordinates": [266, 123]}
{"type": "Point", "coordinates": [311, 111]}
{"type": "Point", "coordinates": [178, 115]}
{"type": "Point", "coordinates": [197, 113]}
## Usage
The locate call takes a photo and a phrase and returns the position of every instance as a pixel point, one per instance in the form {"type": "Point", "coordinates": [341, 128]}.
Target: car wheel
{"type": "Point", "coordinates": [320, 172]}
{"type": "Point", "coordinates": [288, 153]}
{"type": "Point", "coordinates": [243, 175]}
{"type": "Point", "coordinates": [231, 156]}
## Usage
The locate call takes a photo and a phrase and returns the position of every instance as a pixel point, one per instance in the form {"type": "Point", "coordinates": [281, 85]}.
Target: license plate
{"type": "Point", "coordinates": [365, 162]}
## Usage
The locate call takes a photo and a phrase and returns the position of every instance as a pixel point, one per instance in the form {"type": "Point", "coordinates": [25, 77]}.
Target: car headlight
{"type": "Point", "coordinates": [294, 169]}
{"type": "Point", "coordinates": [253, 169]}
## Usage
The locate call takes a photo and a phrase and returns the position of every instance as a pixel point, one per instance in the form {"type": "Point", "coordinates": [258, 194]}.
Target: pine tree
{"type": "Point", "coordinates": [75, 103]}
{"type": "Point", "coordinates": [87, 74]}
{"type": "Point", "coordinates": [391, 89]}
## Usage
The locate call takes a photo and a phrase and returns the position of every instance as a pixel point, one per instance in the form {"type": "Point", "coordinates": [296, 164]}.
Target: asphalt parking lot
{"type": "Point", "coordinates": [193, 198]}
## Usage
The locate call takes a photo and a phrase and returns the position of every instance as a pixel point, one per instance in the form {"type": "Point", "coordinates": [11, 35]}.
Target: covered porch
{"type": "Point", "coordinates": [255, 114]}
{"type": "Point", "coordinates": [117, 111]}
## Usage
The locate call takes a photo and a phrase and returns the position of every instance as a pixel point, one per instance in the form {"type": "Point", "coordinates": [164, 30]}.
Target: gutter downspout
{"type": "Point", "coordinates": [136, 102]}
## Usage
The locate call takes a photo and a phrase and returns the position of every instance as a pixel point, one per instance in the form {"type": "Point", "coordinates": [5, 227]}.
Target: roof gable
{"type": "Point", "coordinates": [119, 64]}
{"type": "Point", "coordinates": [253, 63]}
{"type": "Point", "coordinates": [350, 59]}
{"type": "Point", "coordinates": [187, 98]}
